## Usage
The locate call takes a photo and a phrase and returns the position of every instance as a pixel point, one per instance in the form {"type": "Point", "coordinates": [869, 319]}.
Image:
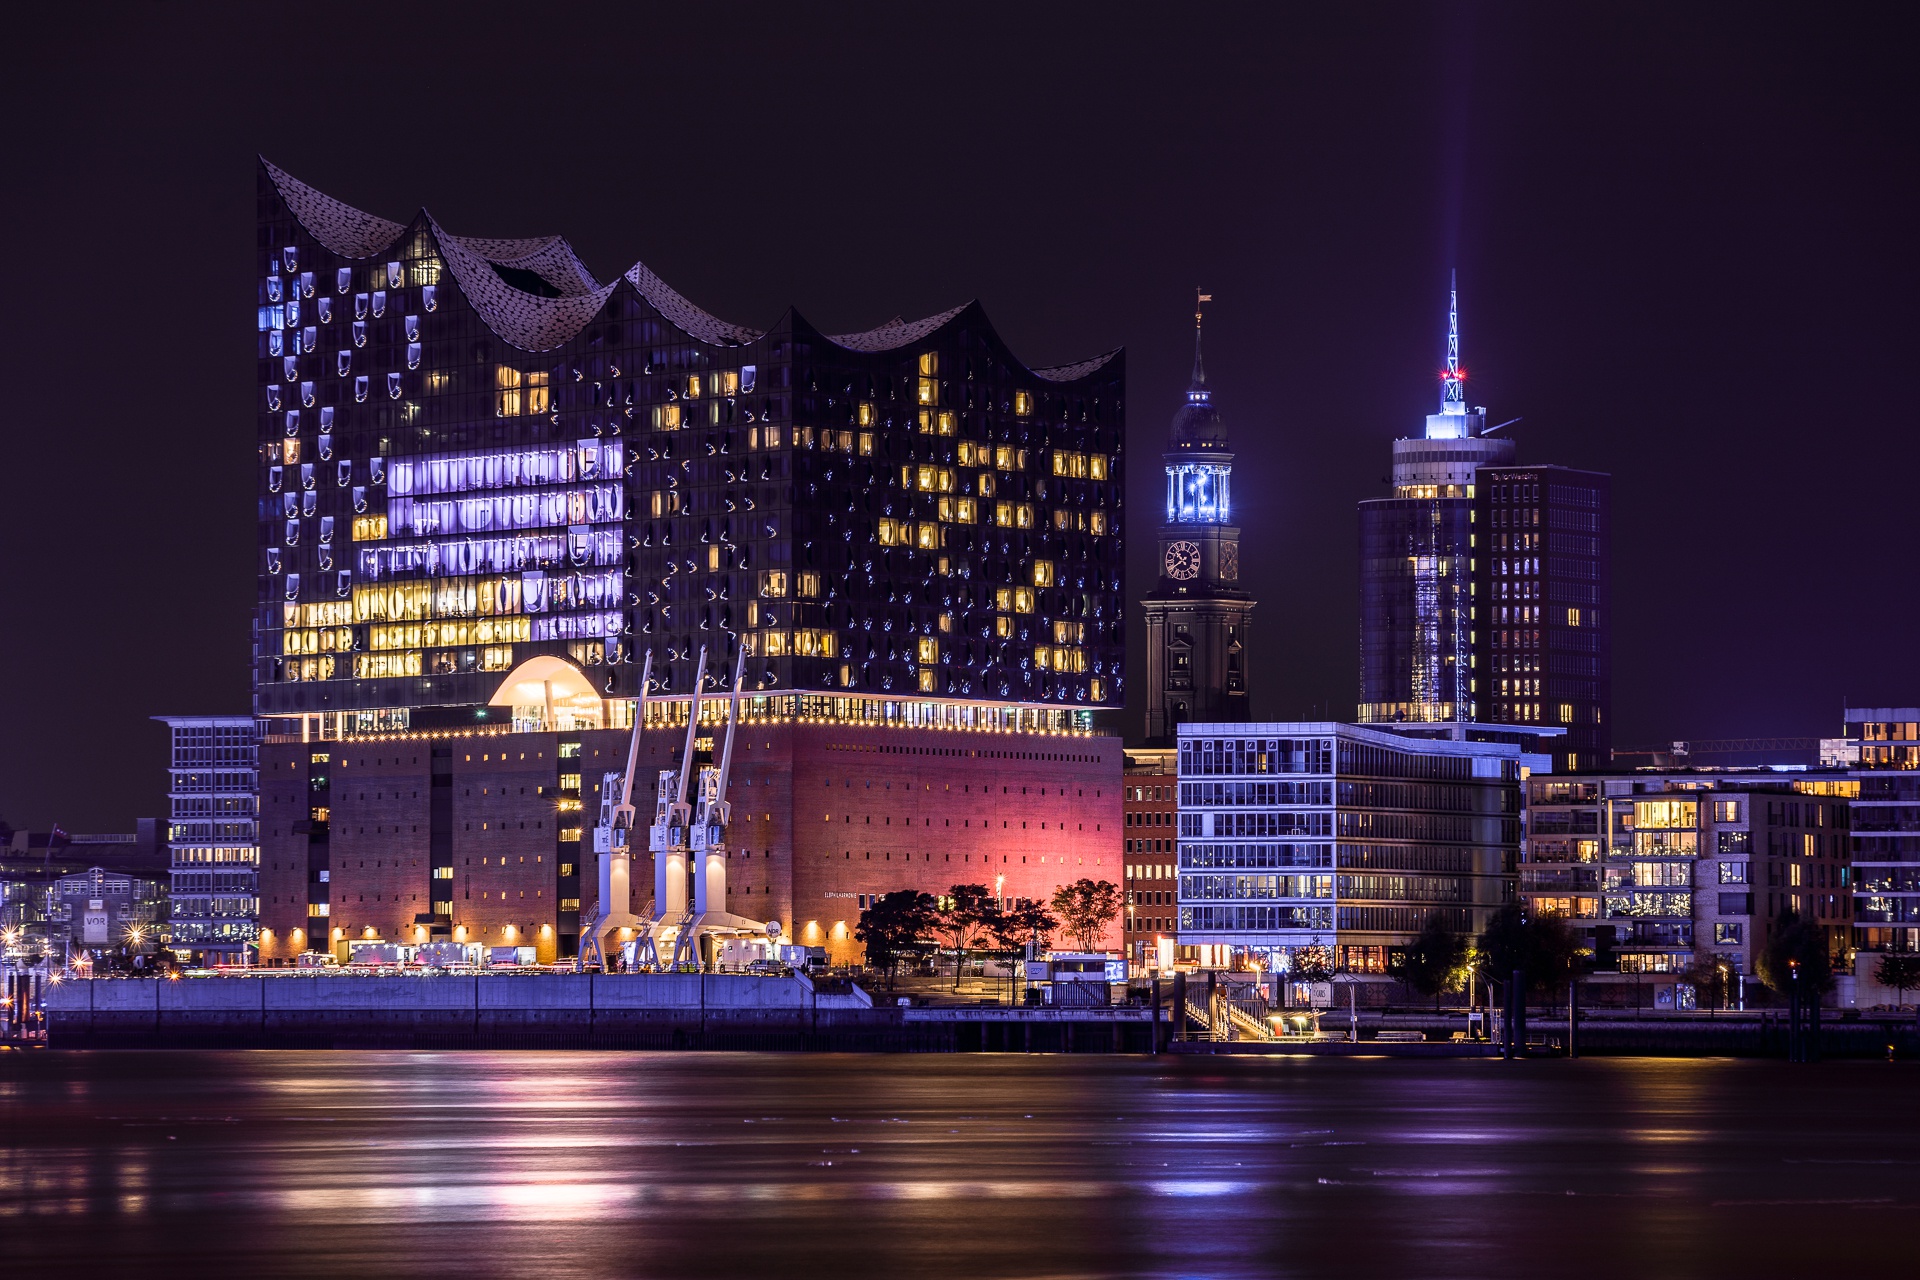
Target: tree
{"type": "Point", "coordinates": [1435, 961]}
{"type": "Point", "coordinates": [967, 911]}
{"type": "Point", "coordinates": [1029, 922]}
{"type": "Point", "coordinates": [895, 926]}
{"type": "Point", "coordinates": [1541, 946]}
{"type": "Point", "coordinates": [1796, 943]}
{"type": "Point", "coordinates": [1898, 970]}
{"type": "Point", "coordinates": [1708, 978]}
{"type": "Point", "coordinates": [1086, 908]}
{"type": "Point", "coordinates": [1311, 963]}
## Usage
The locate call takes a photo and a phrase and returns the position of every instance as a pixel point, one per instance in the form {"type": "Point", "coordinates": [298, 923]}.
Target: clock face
{"type": "Point", "coordinates": [1183, 560]}
{"type": "Point", "coordinates": [1230, 561]}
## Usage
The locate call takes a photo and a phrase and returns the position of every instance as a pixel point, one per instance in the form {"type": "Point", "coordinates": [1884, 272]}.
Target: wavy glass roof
{"type": "Point", "coordinates": [535, 293]}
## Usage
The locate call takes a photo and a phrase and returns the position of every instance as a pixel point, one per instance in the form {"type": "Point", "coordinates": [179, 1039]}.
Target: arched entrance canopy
{"type": "Point", "coordinates": [550, 694]}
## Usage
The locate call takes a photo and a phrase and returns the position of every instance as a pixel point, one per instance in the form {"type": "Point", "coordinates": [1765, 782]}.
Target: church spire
{"type": "Point", "coordinates": [1453, 391]}
{"type": "Point", "coordinates": [1199, 368]}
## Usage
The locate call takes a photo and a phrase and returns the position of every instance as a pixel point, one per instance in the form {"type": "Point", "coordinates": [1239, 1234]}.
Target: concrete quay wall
{"type": "Point", "coordinates": [554, 1010]}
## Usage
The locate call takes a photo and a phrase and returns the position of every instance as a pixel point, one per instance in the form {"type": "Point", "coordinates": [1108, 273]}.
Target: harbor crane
{"type": "Point", "coordinates": [687, 839]}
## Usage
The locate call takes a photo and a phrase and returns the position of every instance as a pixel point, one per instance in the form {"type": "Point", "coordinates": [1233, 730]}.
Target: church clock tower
{"type": "Point", "coordinates": [1198, 619]}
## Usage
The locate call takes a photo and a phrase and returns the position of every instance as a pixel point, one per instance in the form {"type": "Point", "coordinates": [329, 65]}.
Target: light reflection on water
{"type": "Point", "coordinates": [790, 1165]}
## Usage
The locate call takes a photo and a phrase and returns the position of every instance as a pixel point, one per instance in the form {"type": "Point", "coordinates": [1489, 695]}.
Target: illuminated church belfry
{"type": "Point", "coordinates": [1198, 619]}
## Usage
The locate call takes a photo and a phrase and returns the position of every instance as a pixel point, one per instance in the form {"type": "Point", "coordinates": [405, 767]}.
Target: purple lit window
{"type": "Point", "coordinates": [393, 385]}
{"type": "Point", "coordinates": [343, 280]}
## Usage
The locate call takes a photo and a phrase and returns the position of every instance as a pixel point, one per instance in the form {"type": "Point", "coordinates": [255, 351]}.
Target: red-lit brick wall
{"type": "Point", "coordinates": [822, 814]}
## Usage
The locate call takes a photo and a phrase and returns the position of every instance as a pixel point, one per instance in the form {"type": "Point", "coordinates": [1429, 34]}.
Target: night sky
{"type": "Point", "coordinates": [1686, 244]}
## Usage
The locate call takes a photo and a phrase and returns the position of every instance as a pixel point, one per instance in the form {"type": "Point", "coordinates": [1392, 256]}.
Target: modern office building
{"type": "Point", "coordinates": [1658, 871]}
{"type": "Point", "coordinates": [32, 863]}
{"type": "Point", "coordinates": [1151, 814]}
{"type": "Point", "coordinates": [1884, 744]}
{"type": "Point", "coordinates": [1199, 620]}
{"type": "Point", "coordinates": [1436, 577]}
{"type": "Point", "coordinates": [1543, 651]}
{"type": "Point", "coordinates": [98, 912]}
{"type": "Point", "coordinates": [1339, 837]}
{"type": "Point", "coordinates": [492, 485]}
{"type": "Point", "coordinates": [213, 837]}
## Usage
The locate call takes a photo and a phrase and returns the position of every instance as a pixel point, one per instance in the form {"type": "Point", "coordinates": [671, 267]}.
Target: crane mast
{"type": "Point", "coordinates": [613, 845]}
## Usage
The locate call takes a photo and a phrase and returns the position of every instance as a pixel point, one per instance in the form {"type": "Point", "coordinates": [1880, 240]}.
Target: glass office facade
{"type": "Point", "coordinates": [473, 453]}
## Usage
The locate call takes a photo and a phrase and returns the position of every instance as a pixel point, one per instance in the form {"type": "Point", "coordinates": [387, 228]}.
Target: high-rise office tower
{"type": "Point", "coordinates": [1484, 585]}
{"type": "Point", "coordinates": [1541, 591]}
{"type": "Point", "coordinates": [213, 836]}
{"type": "Point", "coordinates": [1199, 621]}
{"type": "Point", "coordinates": [491, 485]}
{"type": "Point", "coordinates": [1416, 562]}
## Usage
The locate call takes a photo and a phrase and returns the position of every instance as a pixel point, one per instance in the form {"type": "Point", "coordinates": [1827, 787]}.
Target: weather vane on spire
{"type": "Point", "coordinates": [1453, 392]}
{"type": "Point", "coordinates": [1199, 370]}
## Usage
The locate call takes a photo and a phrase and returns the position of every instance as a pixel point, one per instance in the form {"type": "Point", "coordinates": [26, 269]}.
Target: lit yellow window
{"type": "Point", "coordinates": [946, 508]}
{"type": "Point", "coordinates": [1023, 516]}
{"type": "Point", "coordinates": [773, 644]}
{"type": "Point", "coordinates": [1043, 573]}
{"type": "Point", "coordinates": [773, 582]}
{"type": "Point", "coordinates": [506, 382]}
{"type": "Point", "coordinates": [929, 539]}
{"type": "Point", "coordinates": [713, 559]}
{"type": "Point", "coordinates": [865, 416]}
{"type": "Point", "coordinates": [1003, 514]}
{"type": "Point", "coordinates": [1003, 457]}
{"type": "Point", "coordinates": [666, 417]}
{"type": "Point", "coordinates": [1069, 632]}
{"type": "Point", "coordinates": [889, 533]}
{"type": "Point", "coordinates": [928, 478]}
{"type": "Point", "coordinates": [1003, 598]}
{"type": "Point", "coordinates": [1023, 599]}
{"type": "Point", "coordinates": [966, 510]}
{"type": "Point", "coordinates": [807, 584]}
{"type": "Point", "coordinates": [1043, 657]}
{"type": "Point", "coordinates": [929, 649]}
{"type": "Point", "coordinates": [537, 392]}
{"type": "Point", "coordinates": [438, 381]}
{"type": "Point", "coordinates": [1060, 463]}
{"type": "Point", "coordinates": [906, 477]}
{"type": "Point", "coordinates": [926, 422]}
{"type": "Point", "coordinates": [929, 363]}
{"type": "Point", "coordinates": [967, 454]}
{"type": "Point", "coordinates": [986, 485]}
{"type": "Point", "coordinates": [866, 444]}
{"type": "Point", "coordinates": [929, 391]}
{"type": "Point", "coordinates": [292, 450]}
{"type": "Point", "coordinates": [846, 441]}
{"type": "Point", "coordinates": [369, 528]}
{"type": "Point", "coordinates": [946, 424]}
{"type": "Point", "coordinates": [730, 383]}
{"type": "Point", "coordinates": [946, 622]}
{"type": "Point", "coordinates": [1003, 627]}
{"type": "Point", "coordinates": [1573, 617]}
{"type": "Point", "coordinates": [1023, 403]}
{"type": "Point", "coordinates": [1097, 688]}
{"type": "Point", "coordinates": [693, 386]}
{"type": "Point", "coordinates": [1096, 522]}
{"type": "Point", "coordinates": [1063, 519]}
{"type": "Point", "coordinates": [1097, 465]}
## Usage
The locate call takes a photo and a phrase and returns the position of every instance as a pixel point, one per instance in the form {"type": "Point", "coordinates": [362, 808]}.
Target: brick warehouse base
{"type": "Point", "coordinates": [824, 813]}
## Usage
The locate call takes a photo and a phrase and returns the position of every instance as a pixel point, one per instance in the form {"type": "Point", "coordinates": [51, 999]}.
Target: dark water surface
{"type": "Point", "coordinates": [631, 1164]}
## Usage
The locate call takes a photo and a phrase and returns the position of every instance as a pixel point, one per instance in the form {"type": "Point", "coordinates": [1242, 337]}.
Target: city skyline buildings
{"type": "Point", "coordinates": [1485, 586]}
{"type": "Point", "coordinates": [1585, 296]}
